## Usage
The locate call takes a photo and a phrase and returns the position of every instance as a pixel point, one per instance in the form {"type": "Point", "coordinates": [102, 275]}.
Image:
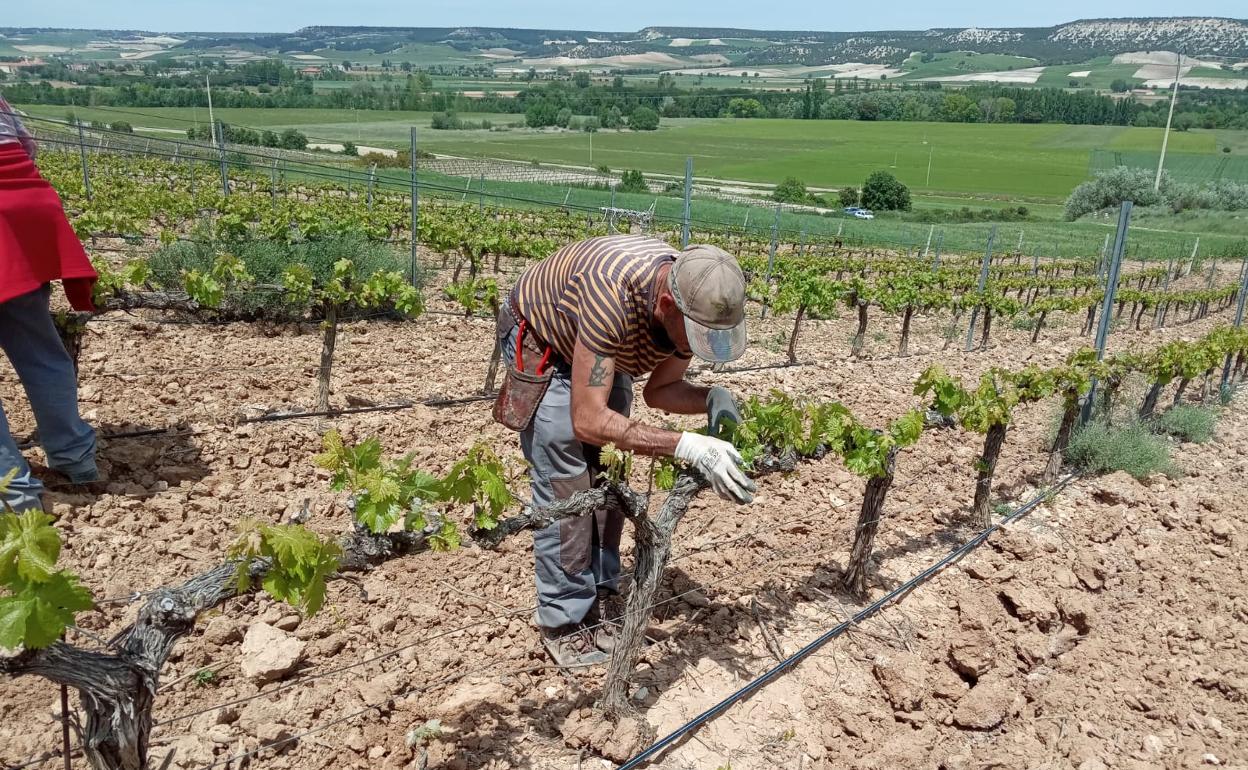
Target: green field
{"type": "Point", "coordinates": [961, 63]}
{"type": "Point", "coordinates": [1182, 167]}
{"type": "Point", "coordinates": [1017, 161]}
{"type": "Point", "coordinates": [1028, 162]}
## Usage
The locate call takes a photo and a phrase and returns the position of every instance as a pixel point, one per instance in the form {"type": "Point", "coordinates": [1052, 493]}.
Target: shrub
{"type": "Point", "coordinates": [792, 190]}
{"type": "Point", "coordinates": [746, 108]}
{"type": "Point", "coordinates": [632, 181]}
{"type": "Point", "coordinates": [445, 121]}
{"type": "Point", "coordinates": [848, 196]}
{"type": "Point", "coordinates": [349, 148]}
{"type": "Point", "coordinates": [121, 126]}
{"type": "Point", "coordinates": [1110, 188]}
{"type": "Point", "coordinates": [403, 159]}
{"type": "Point", "coordinates": [1101, 448]}
{"type": "Point", "coordinates": [292, 139]}
{"type": "Point", "coordinates": [1122, 183]}
{"type": "Point", "coordinates": [883, 192]}
{"type": "Point", "coordinates": [1187, 422]}
{"type": "Point", "coordinates": [611, 117]}
{"type": "Point", "coordinates": [643, 119]}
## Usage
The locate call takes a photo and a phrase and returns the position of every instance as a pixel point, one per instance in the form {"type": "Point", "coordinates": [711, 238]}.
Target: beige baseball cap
{"type": "Point", "coordinates": [709, 289]}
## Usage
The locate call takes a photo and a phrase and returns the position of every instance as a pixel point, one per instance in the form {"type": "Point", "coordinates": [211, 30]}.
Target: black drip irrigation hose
{"type": "Point", "coordinates": [871, 609]}
{"type": "Point", "coordinates": [278, 416]}
{"type": "Point", "coordinates": [434, 402]}
{"type": "Point", "coordinates": [147, 432]}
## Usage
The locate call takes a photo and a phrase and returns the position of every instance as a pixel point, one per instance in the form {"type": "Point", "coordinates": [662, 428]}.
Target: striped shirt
{"type": "Point", "coordinates": [600, 291]}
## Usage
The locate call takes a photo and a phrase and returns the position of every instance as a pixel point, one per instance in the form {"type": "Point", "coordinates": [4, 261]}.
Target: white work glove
{"type": "Point", "coordinates": [719, 462]}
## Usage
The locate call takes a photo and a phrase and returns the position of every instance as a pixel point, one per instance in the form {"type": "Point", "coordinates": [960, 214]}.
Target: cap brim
{"type": "Point", "coordinates": [715, 345]}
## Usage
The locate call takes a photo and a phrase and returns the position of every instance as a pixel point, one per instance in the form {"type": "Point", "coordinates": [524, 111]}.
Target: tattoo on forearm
{"type": "Point", "coordinates": [598, 372]}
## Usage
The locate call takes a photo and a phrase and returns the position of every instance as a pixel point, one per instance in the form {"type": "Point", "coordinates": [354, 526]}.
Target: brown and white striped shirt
{"type": "Point", "coordinates": [600, 290]}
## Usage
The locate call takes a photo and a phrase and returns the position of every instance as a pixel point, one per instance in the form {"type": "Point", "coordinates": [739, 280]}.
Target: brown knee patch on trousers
{"type": "Point", "coordinates": [576, 533]}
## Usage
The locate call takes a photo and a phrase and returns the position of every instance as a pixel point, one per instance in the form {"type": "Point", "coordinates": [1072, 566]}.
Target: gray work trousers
{"type": "Point", "coordinates": [577, 556]}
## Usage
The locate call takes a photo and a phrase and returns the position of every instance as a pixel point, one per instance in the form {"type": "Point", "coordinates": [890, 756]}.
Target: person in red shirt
{"type": "Point", "coordinates": [38, 246]}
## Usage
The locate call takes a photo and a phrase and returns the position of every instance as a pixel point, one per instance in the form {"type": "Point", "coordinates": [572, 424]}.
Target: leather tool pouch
{"type": "Point", "coordinates": [523, 389]}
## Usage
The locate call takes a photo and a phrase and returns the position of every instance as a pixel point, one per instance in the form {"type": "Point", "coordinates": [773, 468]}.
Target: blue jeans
{"type": "Point", "coordinates": [28, 337]}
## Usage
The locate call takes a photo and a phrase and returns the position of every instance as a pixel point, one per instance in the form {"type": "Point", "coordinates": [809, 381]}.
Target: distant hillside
{"type": "Point", "coordinates": [1206, 37]}
{"type": "Point", "coordinates": [1076, 41]}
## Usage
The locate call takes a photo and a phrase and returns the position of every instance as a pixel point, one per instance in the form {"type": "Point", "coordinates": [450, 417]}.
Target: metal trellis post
{"type": "Point", "coordinates": [1239, 320]}
{"type": "Point", "coordinates": [771, 256]}
{"type": "Point", "coordinates": [684, 228]}
{"type": "Point", "coordinates": [372, 180]}
{"type": "Point", "coordinates": [940, 241]}
{"type": "Point", "coordinates": [82, 152]}
{"type": "Point", "coordinates": [273, 181]}
{"type": "Point", "coordinates": [1159, 316]}
{"type": "Point", "coordinates": [225, 172]}
{"type": "Point", "coordinates": [1107, 306]}
{"type": "Point", "coordinates": [983, 281]}
{"type": "Point", "coordinates": [415, 194]}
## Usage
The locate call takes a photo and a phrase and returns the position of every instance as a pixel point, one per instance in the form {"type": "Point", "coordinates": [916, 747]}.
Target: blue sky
{"type": "Point", "coordinates": [287, 15]}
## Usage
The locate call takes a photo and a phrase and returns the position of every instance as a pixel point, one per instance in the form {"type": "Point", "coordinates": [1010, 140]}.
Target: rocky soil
{"type": "Point", "coordinates": [1108, 629]}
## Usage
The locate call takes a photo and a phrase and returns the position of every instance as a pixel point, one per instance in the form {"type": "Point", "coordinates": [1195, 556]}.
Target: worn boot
{"type": "Point", "coordinates": [603, 621]}
{"type": "Point", "coordinates": [572, 646]}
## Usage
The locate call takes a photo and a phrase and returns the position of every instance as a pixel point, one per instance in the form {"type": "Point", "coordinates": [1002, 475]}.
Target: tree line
{"type": "Point", "coordinates": [612, 104]}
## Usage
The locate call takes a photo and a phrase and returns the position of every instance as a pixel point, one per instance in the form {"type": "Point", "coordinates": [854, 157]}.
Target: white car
{"type": "Point", "coordinates": [863, 214]}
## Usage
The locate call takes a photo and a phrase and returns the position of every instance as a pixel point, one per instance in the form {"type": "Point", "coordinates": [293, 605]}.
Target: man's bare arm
{"type": "Point", "coordinates": [594, 422]}
{"type": "Point", "coordinates": [668, 390]}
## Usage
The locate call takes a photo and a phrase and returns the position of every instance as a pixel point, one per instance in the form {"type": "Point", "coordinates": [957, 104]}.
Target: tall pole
{"type": "Point", "coordinates": [1165, 138]}
{"type": "Point", "coordinates": [928, 182]}
{"type": "Point", "coordinates": [1107, 305]}
{"type": "Point", "coordinates": [415, 191]}
{"type": "Point", "coordinates": [208, 86]}
{"type": "Point", "coordinates": [684, 229]}
{"type": "Point", "coordinates": [983, 281]}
